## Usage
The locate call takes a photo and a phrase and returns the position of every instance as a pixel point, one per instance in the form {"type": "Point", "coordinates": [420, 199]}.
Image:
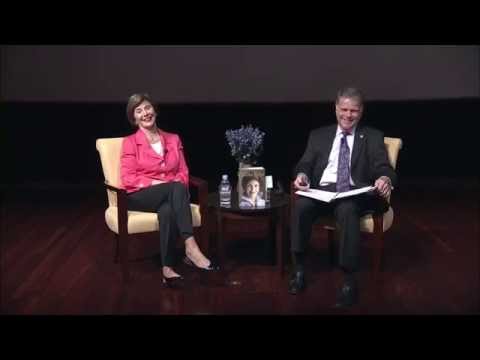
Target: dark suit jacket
{"type": "Point", "coordinates": [369, 156]}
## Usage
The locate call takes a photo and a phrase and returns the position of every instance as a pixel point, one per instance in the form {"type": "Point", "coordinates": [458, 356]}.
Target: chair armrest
{"type": "Point", "coordinates": [198, 182]}
{"type": "Point", "coordinates": [122, 211]}
{"type": "Point", "coordinates": [202, 191]}
{"type": "Point", "coordinates": [113, 188]}
{"type": "Point", "coordinates": [292, 188]}
{"type": "Point", "coordinates": [202, 188]}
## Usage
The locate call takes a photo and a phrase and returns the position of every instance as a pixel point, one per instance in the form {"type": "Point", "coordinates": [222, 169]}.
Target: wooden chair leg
{"type": "Point", "coordinates": [204, 236]}
{"type": "Point", "coordinates": [115, 248]}
{"type": "Point", "coordinates": [377, 247]}
{"type": "Point", "coordinates": [279, 233]}
{"type": "Point", "coordinates": [197, 234]}
{"type": "Point", "coordinates": [123, 239]}
{"type": "Point", "coordinates": [220, 238]}
{"type": "Point", "coordinates": [269, 244]}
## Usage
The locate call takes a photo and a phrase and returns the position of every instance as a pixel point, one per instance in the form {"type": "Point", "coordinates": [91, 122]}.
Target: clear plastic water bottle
{"type": "Point", "coordinates": [225, 191]}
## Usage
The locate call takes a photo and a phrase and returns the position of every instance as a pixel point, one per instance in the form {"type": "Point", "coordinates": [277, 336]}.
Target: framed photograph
{"type": "Point", "coordinates": [251, 187]}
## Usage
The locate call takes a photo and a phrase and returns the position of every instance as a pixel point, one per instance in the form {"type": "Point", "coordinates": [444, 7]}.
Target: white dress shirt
{"type": "Point", "coordinates": [330, 173]}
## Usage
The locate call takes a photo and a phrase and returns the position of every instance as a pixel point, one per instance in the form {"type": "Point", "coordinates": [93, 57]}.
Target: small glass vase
{"type": "Point", "coordinates": [242, 165]}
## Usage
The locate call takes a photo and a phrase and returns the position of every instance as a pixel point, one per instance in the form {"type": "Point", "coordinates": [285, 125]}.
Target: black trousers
{"type": "Point", "coordinates": [171, 202]}
{"type": "Point", "coordinates": [347, 213]}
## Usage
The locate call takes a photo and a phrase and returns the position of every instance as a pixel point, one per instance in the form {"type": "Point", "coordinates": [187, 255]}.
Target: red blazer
{"type": "Point", "coordinates": [140, 164]}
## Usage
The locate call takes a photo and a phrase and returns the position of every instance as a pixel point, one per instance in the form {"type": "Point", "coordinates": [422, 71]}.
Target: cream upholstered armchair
{"type": "Point", "coordinates": [124, 223]}
{"type": "Point", "coordinates": [374, 223]}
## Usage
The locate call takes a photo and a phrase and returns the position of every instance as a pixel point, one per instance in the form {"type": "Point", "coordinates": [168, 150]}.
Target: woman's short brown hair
{"type": "Point", "coordinates": [246, 179]}
{"type": "Point", "coordinates": [133, 102]}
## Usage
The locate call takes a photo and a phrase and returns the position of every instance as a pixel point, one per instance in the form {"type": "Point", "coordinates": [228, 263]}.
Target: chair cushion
{"type": "Point", "coordinates": [366, 222]}
{"type": "Point", "coordinates": [140, 222]}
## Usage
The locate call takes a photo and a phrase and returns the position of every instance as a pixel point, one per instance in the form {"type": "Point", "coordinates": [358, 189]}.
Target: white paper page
{"type": "Point", "coordinates": [326, 196]}
{"type": "Point", "coordinates": [355, 192]}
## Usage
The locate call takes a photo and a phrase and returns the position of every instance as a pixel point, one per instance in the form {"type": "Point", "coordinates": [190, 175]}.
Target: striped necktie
{"type": "Point", "coordinates": [343, 170]}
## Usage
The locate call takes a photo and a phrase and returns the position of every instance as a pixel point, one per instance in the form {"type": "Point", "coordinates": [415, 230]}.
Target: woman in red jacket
{"type": "Point", "coordinates": [155, 175]}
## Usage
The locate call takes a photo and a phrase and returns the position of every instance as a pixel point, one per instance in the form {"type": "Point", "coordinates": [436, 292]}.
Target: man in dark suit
{"type": "Point", "coordinates": [329, 164]}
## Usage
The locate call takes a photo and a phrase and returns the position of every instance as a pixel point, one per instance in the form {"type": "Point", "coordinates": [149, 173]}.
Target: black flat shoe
{"type": "Point", "coordinates": [212, 267]}
{"type": "Point", "coordinates": [296, 283]}
{"type": "Point", "coordinates": [176, 282]}
{"type": "Point", "coordinates": [348, 296]}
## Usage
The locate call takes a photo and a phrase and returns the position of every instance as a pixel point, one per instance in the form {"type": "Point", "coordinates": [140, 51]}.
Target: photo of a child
{"type": "Point", "coordinates": [253, 190]}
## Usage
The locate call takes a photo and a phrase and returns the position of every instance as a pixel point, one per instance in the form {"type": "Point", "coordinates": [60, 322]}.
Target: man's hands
{"type": "Point", "coordinates": [302, 182]}
{"type": "Point", "coordinates": [383, 186]}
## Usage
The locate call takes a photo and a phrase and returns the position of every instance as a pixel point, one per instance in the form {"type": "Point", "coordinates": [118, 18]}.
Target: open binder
{"type": "Point", "coordinates": [328, 196]}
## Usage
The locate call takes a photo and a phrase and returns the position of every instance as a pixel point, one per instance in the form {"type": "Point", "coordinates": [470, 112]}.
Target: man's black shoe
{"type": "Point", "coordinates": [347, 296]}
{"type": "Point", "coordinates": [296, 283]}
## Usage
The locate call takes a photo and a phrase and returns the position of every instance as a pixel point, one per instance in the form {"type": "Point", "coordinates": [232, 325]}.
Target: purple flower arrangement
{"type": "Point", "coordinates": [245, 143]}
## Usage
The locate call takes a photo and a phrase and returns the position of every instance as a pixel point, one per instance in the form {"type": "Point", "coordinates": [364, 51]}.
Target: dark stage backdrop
{"type": "Point", "coordinates": [55, 143]}
{"type": "Point", "coordinates": [56, 100]}
{"type": "Point", "coordinates": [262, 73]}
